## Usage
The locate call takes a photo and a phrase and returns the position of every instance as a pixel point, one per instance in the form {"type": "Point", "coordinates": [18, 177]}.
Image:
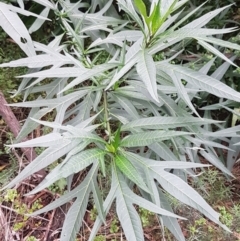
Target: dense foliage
{"type": "Point", "coordinates": [126, 105]}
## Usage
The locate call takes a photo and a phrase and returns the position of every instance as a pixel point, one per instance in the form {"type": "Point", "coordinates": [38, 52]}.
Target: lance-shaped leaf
{"type": "Point", "coordinates": [106, 205]}
{"type": "Point", "coordinates": [127, 105]}
{"type": "Point", "coordinates": [74, 164]}
{"type": "Point", "coordinates": [39, 22]}
{"type": "Point", "coordinates": [98, 200]}
{"type": "Point", "coordinates": [21, 3]}
{"type": "Point", "coordinates": [163, 151]}
{"type": "Point", "coordinates": [204, 19]}
{"type": "Point", "coordinates": [142, 9]}
{"type": "Point", "coordinates": [127, 214]}
{"type": "Point", "coordinates": [227, 132]}
{"type": "Point", "coordinates": [172, 37]}
{"type": "Point", "coordinates": [128, 7]}
{"type": "Point", "coordinates": [127, 67]}
{"type": "Point", "coordinates": [74, 217]}
{"type": "Point", "coordinates": [45, 3]}
{"type": "Point", "coordinates": [51, 139]}
{"type": "Point", "coordinates": [76, 213]}
{"type": "Point", "coordinates": [166, 122]}
{"type": "Point", "coordinates": [220, 42]}
{"type": "Point", "coordinates": [126, 167]}
{"type": "Point", "coordinates": [118, 38]}
{"type": "Point", "coordinates": [215, 161]}
{"type": "Point", "coordinates": [29, 125]}
{"type": "Point", "coordinates": [54, 103]}
{"type": "Point", "coordinates": [201, 81]}
{"type": "Point", "coordinates": [38, 61]}
{"type": "Point", "coordinates": [186, 194]}
{"type": "Point", "coordinates": [76, 133]}
{"type": "Point", "coordinates": [46, 158]}
{"type": "Point", "coordinates": [175, 185]}
{"type": "Point", "coordinates": [147, 72]}
{"type": "Point", "coordinates": [210, 48]}
{"type": "Point", "coordinates": [169, 222]}
{"type": "Point", "coordinates": [182, 91]}
{"type": "Point", "coordinates": [70, 195]}
{"type": "Point", "coordinates": [125, 199]}
{"type": "Point", "coordinates": [147, 138]}
{"type": "Point", "coordinates": [232, 156]}
{"type": "Point", "coordinates": [97, 70]}
{"type": "Point", "coordinates": [14, 27]}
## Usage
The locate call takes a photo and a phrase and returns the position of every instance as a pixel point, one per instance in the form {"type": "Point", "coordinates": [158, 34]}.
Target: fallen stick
{"type": "Point", "coordinates": [14, 126]}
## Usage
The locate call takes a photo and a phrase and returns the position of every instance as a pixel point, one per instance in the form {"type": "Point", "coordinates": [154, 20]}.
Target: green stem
{"type": "Point", "coordinates": [106, 117]}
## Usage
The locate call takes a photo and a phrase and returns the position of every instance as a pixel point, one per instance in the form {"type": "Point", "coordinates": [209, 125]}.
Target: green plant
{"type": "Point", "coordinates": [93, 213]}
{"type": "Point", "coordinates": [194, 229]}
{"type": "Point", "coordinates": [10, 195]}
{"type": "Point", "coordinates": [20, 208]}
{"type": "Point", "coordinates": [31, 238]}
{"type": "Point", "coordinates": [212, 185]}
{"type": "Point", "coordinates": [114, 227]}
{"type": "Point", "coordinates": [99, 238]}
{"type": "Point", "coordinates": [225, 217]}
{"type": "Point", "coordinates": [131, 113]}
{"type": "Point", "coordinates": [146, 216]}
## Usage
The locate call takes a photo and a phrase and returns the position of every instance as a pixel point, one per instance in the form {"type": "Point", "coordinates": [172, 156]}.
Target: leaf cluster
{"type": "Point", "coordinates": [131, 114]}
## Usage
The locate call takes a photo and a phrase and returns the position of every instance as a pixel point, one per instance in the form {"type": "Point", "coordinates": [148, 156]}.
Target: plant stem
{"type": "Point", "coordinates": [106, 117]}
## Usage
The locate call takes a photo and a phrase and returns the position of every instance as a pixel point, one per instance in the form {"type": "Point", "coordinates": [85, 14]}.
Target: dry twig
{"type": "Point", "coordinates": [5, 229]}
{"type": "Point", "coordinates": [14, 126]}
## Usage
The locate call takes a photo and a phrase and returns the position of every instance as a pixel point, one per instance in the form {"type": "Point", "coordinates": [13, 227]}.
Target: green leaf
{"type": "Point", "coordinates": [147, 72]}
{"type": "Point", "coordinates": [204, 19]}
{"type": "Point", "coordinates": [128, 7]}
{"type": "Point", "coordinates": [169, 222]}
{"type": "Point", "coordinates": [110, 148]}
{"type": "Point", "coordinates": [127, 66]}
{"type": "Point", "coordinates": [77, 211]}
{"type": "Point", "coordinates": [14, 27]}
{"type": "Point", "coordinates": [127, 214]}
{"type": "Point", "coordinates": [210, 48]}
{"type": "Point", "coordinates": [102, 165]}
{"type": "Point", "coordinates": [142, 8]}
{"type": "Point", "coordinates": [166, 122]}
{"type": "Point", "coordinates": [147, 138]}
{"type": "Point", "coordinates": [75, 215]}
{"type": "Point", "coordinates": [62, 102]}
{"type": "Point", "coordinates": [117, 139]}
{"type": "Point", "coordinates": [46, 158]}
{"type": "Point", "coordinates": [220, 42]}
{"type": "Point", "coordinates": [156, 18]}
{"type": "Point", "coordinates": [130, 172]}
{"type": "Point", "coordinates": [98, 200]}
{"type": "Point", "coordinates": [106, 205]}
{"type": "Point", "coordinates": [51, 139]}
{"type": "Point", "coordinates": [127, 105]}
{"type": "Point", "coordinates": [212, 158]}
{"type": "Point", "coordinates": [39, 61]}
{"type": "Point", "coordinates": [202, 81]}
{"type": "Point", "coordinates": [74, 164]}
{"type": "Point", "coordinates": [175, 185]}
{"type": "Point", "coordinates": [129, 218]}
